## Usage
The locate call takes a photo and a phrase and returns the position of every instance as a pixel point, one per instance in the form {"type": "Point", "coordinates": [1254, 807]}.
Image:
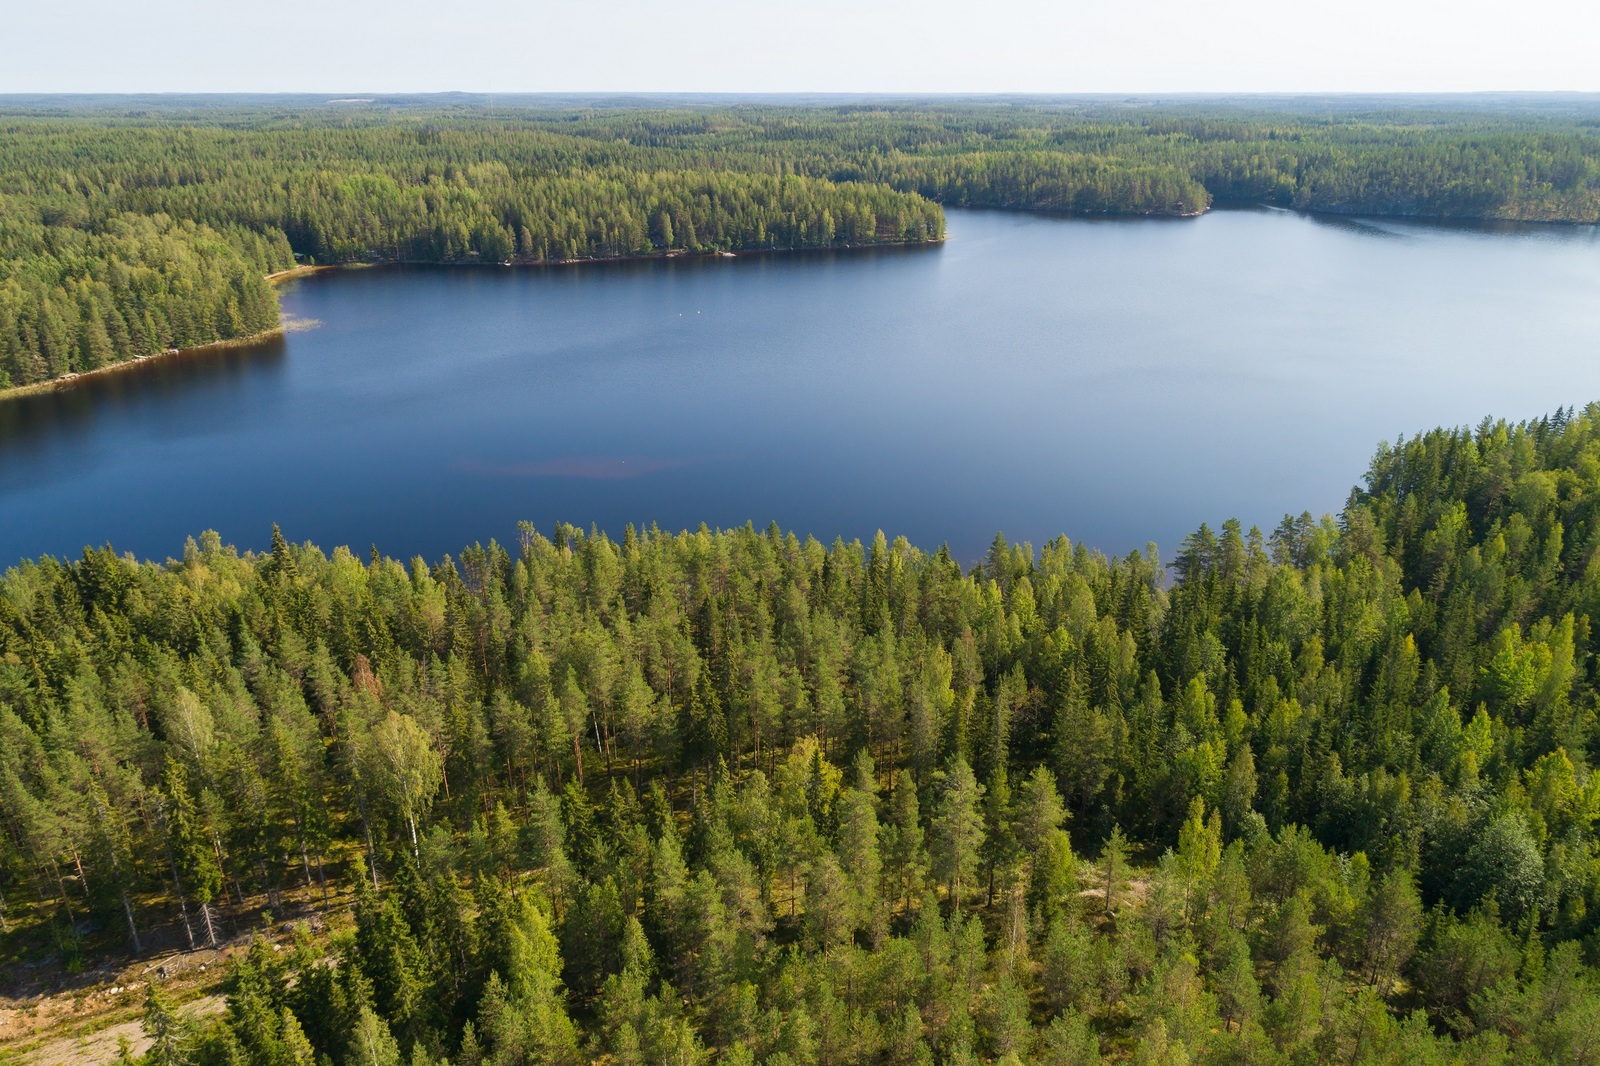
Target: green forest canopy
{"type": "Point", "coordinates": [1325, 795]}
{"type": "Point", "coordinates": [127, 232]}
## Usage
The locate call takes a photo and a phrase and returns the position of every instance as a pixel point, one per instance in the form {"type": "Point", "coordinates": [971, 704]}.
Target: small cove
{"type": "Point", "coordinates": [1117, 381]}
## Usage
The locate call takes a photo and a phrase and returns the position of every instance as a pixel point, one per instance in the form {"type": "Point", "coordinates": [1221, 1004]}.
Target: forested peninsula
{"type": "Point", "coordinates": [1325, 795]}
{"type": "Point", "coordinates": [126, 232]}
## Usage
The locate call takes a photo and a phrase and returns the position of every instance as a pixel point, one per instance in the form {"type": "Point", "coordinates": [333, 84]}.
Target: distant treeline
{"type": "Point", "coordinates": [124, 234]}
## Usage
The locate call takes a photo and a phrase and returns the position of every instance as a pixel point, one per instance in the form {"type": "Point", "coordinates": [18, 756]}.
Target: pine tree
{"type": "Point", "coordinates": [905, 859]}
{"type": "Point", "coordinates": [191, 846]}
{"type": "Point", "coordinates": [1393, 920]}
{"type": "Point", "coordinates": [958, 831]}
{"type": "Point", "coordinates": [387, 955]}
{"type": "Point", "coordinates": [1113, 867]}
{"type": "Point", "coordinates": [170, 1034]}
{"type": "Point", "coordinates": [1052, 869]}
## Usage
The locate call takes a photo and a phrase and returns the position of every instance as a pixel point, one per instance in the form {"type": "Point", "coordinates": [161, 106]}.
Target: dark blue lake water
{"type": "Point", "coordinates": [1117, 381]}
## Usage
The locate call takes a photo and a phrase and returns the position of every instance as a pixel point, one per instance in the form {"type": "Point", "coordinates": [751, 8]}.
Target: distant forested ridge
{"type": "Point", "coordinates": [124, 233]}
{"type": "Point", "coordinates": [1328, 795]}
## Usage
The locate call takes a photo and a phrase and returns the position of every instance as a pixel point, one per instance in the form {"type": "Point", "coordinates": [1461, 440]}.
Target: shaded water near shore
{"type": "Point", "coordinates": [1118, 381]}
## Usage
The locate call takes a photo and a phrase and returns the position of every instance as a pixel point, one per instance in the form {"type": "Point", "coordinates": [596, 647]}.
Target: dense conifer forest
{"type": "Point", "coordinates": [1318, 795]}
{"type": "Point", "coordinates": [125, 232]}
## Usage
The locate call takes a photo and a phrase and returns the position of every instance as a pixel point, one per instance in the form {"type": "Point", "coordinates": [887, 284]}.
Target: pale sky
{"type": "Point", "coordinates": [1151, 46]}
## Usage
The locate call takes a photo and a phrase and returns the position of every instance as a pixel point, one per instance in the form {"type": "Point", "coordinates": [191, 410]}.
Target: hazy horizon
{"type": "Point", "coordinates": [1022, 47]}
{"type": "Point", "coordinates": [1582, 106]}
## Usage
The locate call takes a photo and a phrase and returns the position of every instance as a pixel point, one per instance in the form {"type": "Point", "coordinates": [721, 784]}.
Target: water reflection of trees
{"type": "Point", "coordinates": [31, 421]}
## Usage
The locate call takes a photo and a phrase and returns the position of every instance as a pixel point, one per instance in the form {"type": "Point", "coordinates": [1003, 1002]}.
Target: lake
{"type": "Point", "coordinates": [1117, 381]}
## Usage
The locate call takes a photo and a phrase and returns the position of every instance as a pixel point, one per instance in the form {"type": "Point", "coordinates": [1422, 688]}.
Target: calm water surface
{"type": "Point", "coordinates": [1116, 381]}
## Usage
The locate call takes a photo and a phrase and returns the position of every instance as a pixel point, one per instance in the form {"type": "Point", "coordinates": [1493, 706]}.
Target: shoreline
{"type": "Point", "coordinates": [17, 392]}
{"type": "Point", "coordinates": [671, 253]}
{"type": "Point", "coordinates": [1374, 216]}
{"type": "Point", "coordinates": [298, 272]}
{"type": "Point", "coordinates": [306, 270]}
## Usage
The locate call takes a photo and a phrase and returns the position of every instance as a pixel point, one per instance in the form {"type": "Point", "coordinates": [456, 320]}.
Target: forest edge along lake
{"type": "Point", "coordinates": [288, 323]}
{"type": "Point", "coordinates": [1116, 380]}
